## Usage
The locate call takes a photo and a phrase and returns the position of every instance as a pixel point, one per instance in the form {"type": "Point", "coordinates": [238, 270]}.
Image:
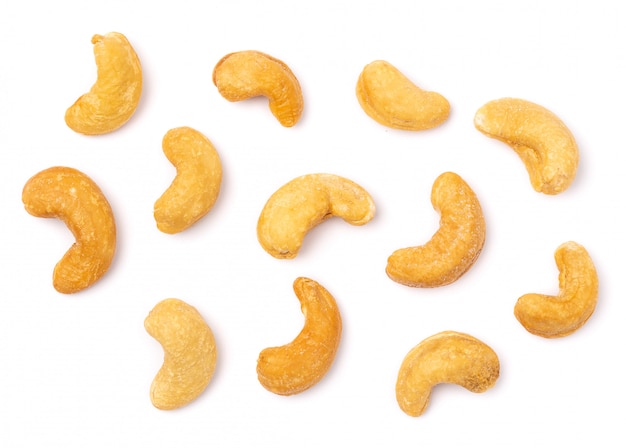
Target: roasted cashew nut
{"type": "Point", "coordinates": [115, 95]}
{"type": "Point", "coordinates": [190, 353]}
{"type": "Point", "coordinates": [390, 98]}
{"type": "Point", "coordinates": [563, 314]}
{"type": "Point", "coordinates": [446, 357]}
{"type": "Point", "coordinates": [71, 196]}
{"type": "Point", "coordinates": [302, 363]}
{"type": "Point", "coordinates": [246, 74]}
{"type": "Point", "coordinates": [303, 203]}
{"type": "Point", "coordinates": [195, 188]}
{"type": "Point", "coordinates": [538, 136]}
{"type": "Point", "coordinates": [455, 246]}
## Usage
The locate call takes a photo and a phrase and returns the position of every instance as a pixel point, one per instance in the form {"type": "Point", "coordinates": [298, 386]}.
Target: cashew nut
{"type": "Point", "coordinates": [390, 98]}
{"type": "Point", "coordinates": [538, 136]}
{"type": "Point", "coordinates": [446, 357]}
{"type": "Point", "coordinates": [246, 74]}
{"type": "Point", "coordinates": [190, 353]}
{"type": "Point", "coordinates": [115, 95]}
{"type": "Point", "coordinates": [196, 186]}
{"type": "Point", "coordinates": [303, 203]}
{"type": "Point", "coordinates": [71, 196]}
{"type": "Point", "coordinates": [302, 363]}
{"type": "Point", "coordinates": [563, 314]}
{"type": "Point", "coordinates": [453, 248]}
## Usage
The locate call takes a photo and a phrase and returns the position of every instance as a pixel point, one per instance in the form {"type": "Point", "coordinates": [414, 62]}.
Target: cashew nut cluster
{"type": "Point", "coordinates": [246, 74]}
{"type": "Point", "coordinates": [114, 97]}
{"type": "Point", "coordinates": [543, 142]}
{"type": "Point", "coordinates": [455, 246]}
{"type": "Point", "coordinates": [390, 98]}
{"type": "Point", "coordinates": [190, 353]}
{"type": "Point", "coordinates": [71, 196]}
{"type": "Point", "coordinates": [305, 202]}
{"type": "Point", "coordinates": [195, 188]}
{"type": "Point", "coordinates": [446, 357]}
{"type": "Point", "coordinates": [563, 314]}
{"type": "Point", "coordinates": [302, 363]}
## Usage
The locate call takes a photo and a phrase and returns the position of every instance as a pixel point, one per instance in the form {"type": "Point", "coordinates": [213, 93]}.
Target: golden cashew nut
{"type": "Point", "coordinates": [302, 363]}
{"type": "Point", "coordinates": [563, 314]}
{"type": "Point", "coordinates": [246, 74]}
{"type": "Point", "coordinates": [538, 136]}
{"type": "Point", "coordinates": [195, 188]}
{"type": "Point", "coordinates": [190, 353]}
{"type": "Point", "coordinates": [446, 357]}
{"type": "Point", "coordinates": [390, 98]}
{"type": "Point", "coordinates": [114, 97]}
{"type": "Point", "coordinates": [305, 202]}
{"type": "Point", "coordinates": [71, 196]}
{"type": "Point", "coordinates": [455, 246]}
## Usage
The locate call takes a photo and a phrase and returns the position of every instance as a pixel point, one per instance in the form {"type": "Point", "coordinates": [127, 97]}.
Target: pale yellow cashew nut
{"type": "Point", "coordinates": [453, 248]}
{"type": "Point", "coordinates": [195, 188]}
{"type": "Point", "coordinates": [246, 74]}
{"type": "Point", "coordinates": [543, 142]}
{"type": "Point", "coordinates": [446, 357]}
{"type": "Point", "coordinates": [71, 196]}
{"type": "Point", "coordinates": [302, 363]}
{"type": "Point", "coordinates": [115, 95]}
{"type": "Point", "coordinates": [390, 98]}
{"type": "Point", "coordinates": [563, 314]}
{"type": "Point", "coordinates": [190, 353]}
{"type": "Point", "coordinates": [305, 202]}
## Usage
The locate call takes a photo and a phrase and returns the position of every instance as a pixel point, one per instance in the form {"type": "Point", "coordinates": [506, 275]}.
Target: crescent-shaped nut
{"type": "Point", "coordinates": [390, 98]}
{"type": "Point", "coordinates": [446, 357]}
{"type": "Point", "coordinates": [246, 74]}
{"type": "Point", "coordinates": [453, 248]}
{"type": "Point", "coordinates": [538, 136]}
{"type": "Point", "coordinates": [114, 97]}
{"type": "Point", "coordinates": [190, 353]}
{"type": "Point", "coordinates": [563, 314]}
{"type": "Point", "coordinates": [71, 196]}
{"type": "Point", "coordinates": [302, 363]}
{"type": "Point", "coordinates": [303, 203]}
{"type": "Point", "coordinates": [195, 188]}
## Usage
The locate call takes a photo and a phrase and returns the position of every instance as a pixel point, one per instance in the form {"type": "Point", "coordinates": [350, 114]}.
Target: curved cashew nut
{"type": "Point", "coordinates": [455, 246]}
{"type": "Point", "coordinates": [71, 196]}
{"type": "Point", "coordinates": [303, 203]}
{"type": "Point", "coordinates": [538, 136]}
{"type": "Point", "coordinates": [302, 363]}
{"type": "Point", "coordinates": [114, 97]}
{"type": "Point", "coordinates": [446, 357]}
{"type": "Point", "coordinates": [246, 74]}
{"type": "Point", "coordinates": [190, 353]}
{"type": "Point", "coordinates": [195, 188]}
{"type": "Point", "coordinates": [563, 314]}
{"type": "Point", "coordinates": [390, 98]}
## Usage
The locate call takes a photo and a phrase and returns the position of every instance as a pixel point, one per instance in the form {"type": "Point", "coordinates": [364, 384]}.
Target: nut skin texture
{"type": "Point", "coordinates": [563, 314]}
{"type": "Point", "coordinates": [543, 142]}
{"type": "Point", "coordinates": [114, 97]}
{"type": "Point", "coordinates": [195, 188]}
{"type": "Point", "coordinates": [305, 202]}
{"type": "Point", "coordinates": [391, 99]}
{"type": "Point", "coordinates": [302, 363]}
{"type": "Point", "coordinates": [190, 353]}
{"type": "Point", "coordinates": [446, 357]}
{"type": "Point", "coordinates": [71, 196]}
{"type": "Point", "coordinates": [246, 74]}
{"type": "Point", "coordinates": [453, 248]}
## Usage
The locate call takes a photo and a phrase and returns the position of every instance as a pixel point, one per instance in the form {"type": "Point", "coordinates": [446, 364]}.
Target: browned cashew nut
{"type": "Point", "coordinates": [563, 314]}
{"type": "Point", "coordinates": [302, 363]}
{"type": "Point", "coordinates": [71, 196]}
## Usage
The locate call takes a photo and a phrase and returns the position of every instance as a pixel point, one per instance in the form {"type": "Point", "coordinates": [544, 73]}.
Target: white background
{"type": "Point", "coordinates": [75, 370]}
